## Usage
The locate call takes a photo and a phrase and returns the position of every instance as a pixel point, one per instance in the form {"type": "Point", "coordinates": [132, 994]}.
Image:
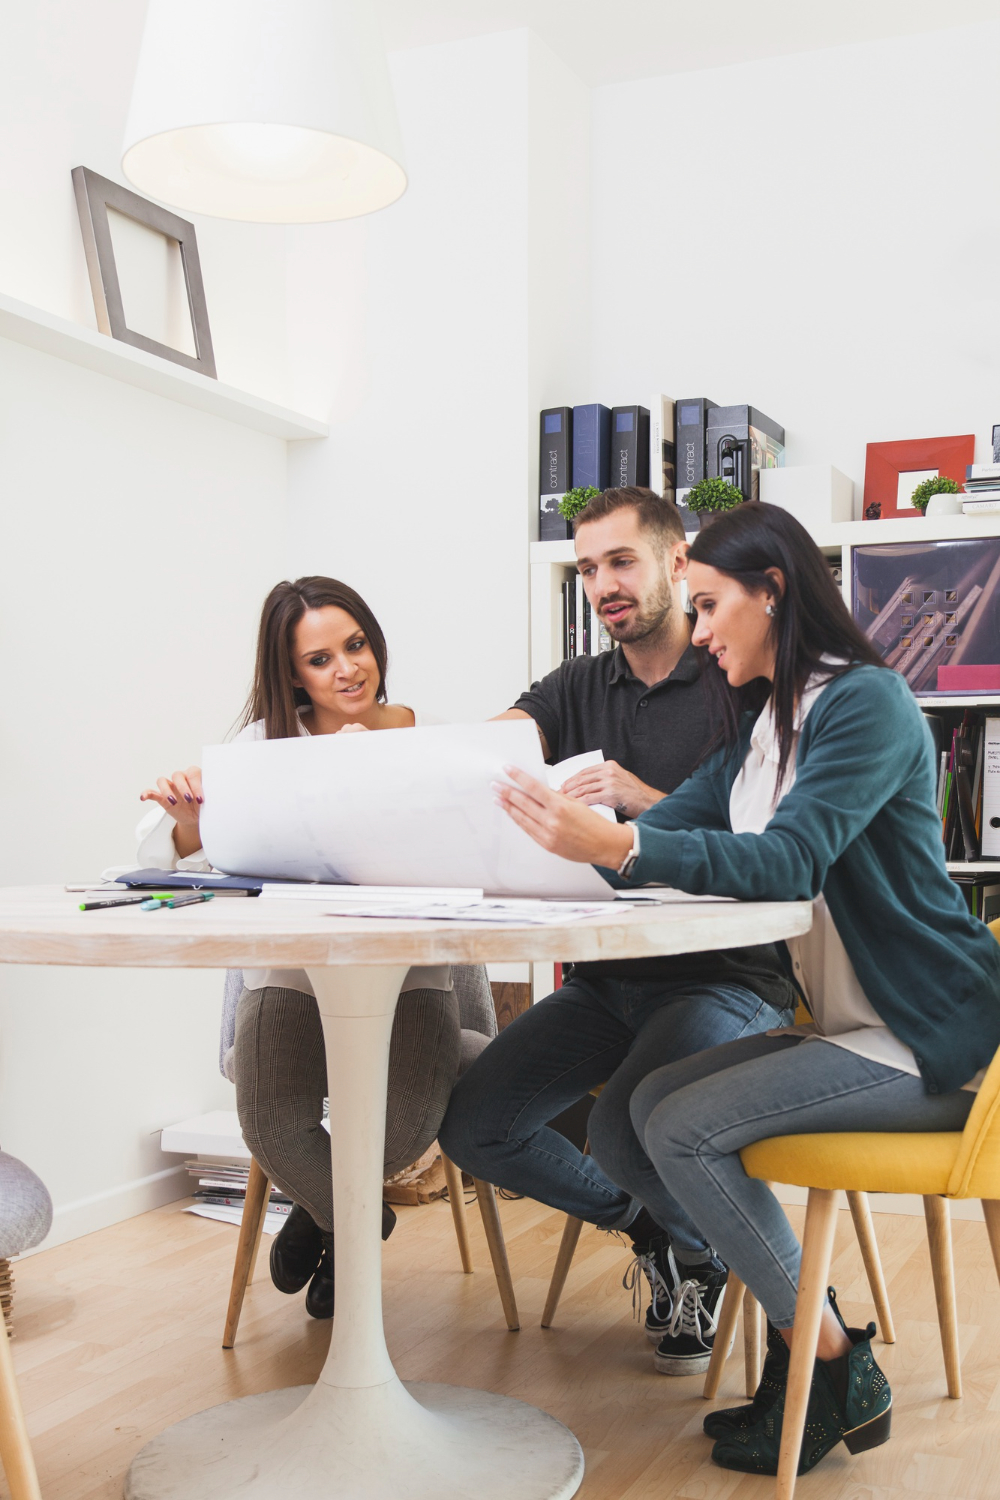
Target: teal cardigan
{"type": "Point", "coordinates": [860, 825]}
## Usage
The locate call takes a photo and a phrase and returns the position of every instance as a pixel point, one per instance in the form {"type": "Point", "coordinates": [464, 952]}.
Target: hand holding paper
{"type": "Point", "coordinates": [560, 824]}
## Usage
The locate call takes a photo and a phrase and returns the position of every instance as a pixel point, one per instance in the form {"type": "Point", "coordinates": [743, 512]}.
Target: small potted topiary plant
{"type": "Point", "coordinates": [941, 485]}
{"type": "Point", "coordinates": [710, 497]}
{"type": "Point", "coordinates": [576, 500]}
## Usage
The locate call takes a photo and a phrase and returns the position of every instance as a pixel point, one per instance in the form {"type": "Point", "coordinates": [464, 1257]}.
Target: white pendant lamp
{"type": "Point", "coordinates": [275, 111]}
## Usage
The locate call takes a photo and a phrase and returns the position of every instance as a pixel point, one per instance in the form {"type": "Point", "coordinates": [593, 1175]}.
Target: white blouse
{"type": "Point", "coordinates": [156, 851]}
{"type": "Point", "coordinates": [842, 1013]}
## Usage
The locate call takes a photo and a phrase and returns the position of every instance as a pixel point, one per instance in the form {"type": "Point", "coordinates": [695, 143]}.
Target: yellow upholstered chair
{"type": "Point", "coordinates": [937, 1165]}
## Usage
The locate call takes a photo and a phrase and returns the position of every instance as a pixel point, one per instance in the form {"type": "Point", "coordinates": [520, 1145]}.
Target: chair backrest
{"type": "Point", "coordinates": [976, 1173]}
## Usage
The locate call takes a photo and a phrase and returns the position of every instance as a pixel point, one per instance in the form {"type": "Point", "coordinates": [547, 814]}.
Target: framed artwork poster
{"type": "Point", "coordinates": [893, 471]}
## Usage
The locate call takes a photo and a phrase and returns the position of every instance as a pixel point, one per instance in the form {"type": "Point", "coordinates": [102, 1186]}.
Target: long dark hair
{"type": "Point", "coordinates": [810, 620]}
{"type": "Point", "coordinates": [274, 696]}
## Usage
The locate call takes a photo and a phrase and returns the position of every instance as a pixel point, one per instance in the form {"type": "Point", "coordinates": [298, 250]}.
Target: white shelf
{"type": "Point", "coordinates": [980, 700]}
{"type": "Point", "coordinates": [920, 529]}
{"type": "Point", "coordinates": [42, 330]}
{"type": "Point", "coordinates": [974, 867]}
{"type": "Point", "coordinates": [552, 552]}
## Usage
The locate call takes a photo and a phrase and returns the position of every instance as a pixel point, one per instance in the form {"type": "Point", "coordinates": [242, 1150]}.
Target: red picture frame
{"type": "Point", "coordinates": [884, 462]}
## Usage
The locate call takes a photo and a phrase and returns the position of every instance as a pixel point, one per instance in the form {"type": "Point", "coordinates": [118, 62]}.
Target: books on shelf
{"type": "Point", "coordinates": [583, 632]}
{"type": "Point", "coordinates": [968, 788]}
{"type": "Point", "coordinates": [981, 491]}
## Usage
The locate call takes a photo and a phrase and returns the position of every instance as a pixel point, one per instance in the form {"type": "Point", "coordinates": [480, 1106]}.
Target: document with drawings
{"type": "Point", "coordinates": [407, 807]}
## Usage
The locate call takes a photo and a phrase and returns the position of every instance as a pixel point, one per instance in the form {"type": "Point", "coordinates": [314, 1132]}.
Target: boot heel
{"type": "Point", "coordinates": [870, 1434]}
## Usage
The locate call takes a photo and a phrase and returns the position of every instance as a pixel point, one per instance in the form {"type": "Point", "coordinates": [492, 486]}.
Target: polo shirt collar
{"type": "Point", "coordinates": [686, 670]}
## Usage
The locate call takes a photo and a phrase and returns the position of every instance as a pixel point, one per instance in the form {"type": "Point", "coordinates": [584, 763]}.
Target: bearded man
{"type": "Point", "coordinates": [612, 1024]}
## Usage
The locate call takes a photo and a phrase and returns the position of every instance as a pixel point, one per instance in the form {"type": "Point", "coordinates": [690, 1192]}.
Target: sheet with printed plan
{"type": "Point", "coordinates": [409, 807]}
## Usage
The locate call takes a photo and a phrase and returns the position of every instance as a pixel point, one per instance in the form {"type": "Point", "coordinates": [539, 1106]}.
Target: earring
{"type": "Point", "coordinates": [769, 609]}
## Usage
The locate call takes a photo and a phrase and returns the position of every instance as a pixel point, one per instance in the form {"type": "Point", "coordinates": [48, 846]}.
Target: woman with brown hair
{"type": "Point", "coordinates": [320, 669]}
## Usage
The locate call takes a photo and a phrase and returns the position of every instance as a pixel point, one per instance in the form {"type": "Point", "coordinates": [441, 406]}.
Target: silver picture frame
{"type": "Point", "coordinates": [94, 196]}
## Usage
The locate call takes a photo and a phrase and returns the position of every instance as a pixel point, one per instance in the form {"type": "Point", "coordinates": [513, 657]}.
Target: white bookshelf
{"type": "Point", "coordinates": [551, 563]}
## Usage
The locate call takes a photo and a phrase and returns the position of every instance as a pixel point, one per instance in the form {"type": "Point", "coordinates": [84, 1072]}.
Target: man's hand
{"type": "Point", "coordinates": [611, 784]}
{"type": "Point", "coordinates": [561, 824]}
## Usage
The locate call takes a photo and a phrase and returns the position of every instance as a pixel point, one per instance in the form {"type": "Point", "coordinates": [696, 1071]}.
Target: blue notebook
{"type": "Point", "coordinates": [197, 880]}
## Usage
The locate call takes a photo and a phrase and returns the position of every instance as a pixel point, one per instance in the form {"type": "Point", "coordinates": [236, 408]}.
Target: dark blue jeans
{"type": "Point", "coordinates": [592, 1031]}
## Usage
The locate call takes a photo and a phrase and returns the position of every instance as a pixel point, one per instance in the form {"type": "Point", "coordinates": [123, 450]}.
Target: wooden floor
{"type": "Point", "coordinates": [119, 1335]}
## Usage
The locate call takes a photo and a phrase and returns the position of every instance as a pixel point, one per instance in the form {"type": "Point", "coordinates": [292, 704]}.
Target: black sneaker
{"type": "Point", "coordinates": [686, 1347]}
{"type": "Point", "coordinates": [654, 1261]}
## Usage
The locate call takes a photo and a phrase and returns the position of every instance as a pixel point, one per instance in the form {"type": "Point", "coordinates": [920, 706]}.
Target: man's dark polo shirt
{"type": "Point", "coordinates": [658, 733]}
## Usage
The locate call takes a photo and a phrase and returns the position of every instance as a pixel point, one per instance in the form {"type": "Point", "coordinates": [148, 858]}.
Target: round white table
{"type": "Point", "coordinates": [359, 1433]}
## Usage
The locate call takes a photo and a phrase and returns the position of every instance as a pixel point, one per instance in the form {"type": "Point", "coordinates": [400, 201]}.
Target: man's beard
{"type": "Point", "coordinates": [648, 617]}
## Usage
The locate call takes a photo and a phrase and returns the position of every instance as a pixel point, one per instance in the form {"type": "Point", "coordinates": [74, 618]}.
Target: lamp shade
{"type": "Point", "coordinates": [276, 111]}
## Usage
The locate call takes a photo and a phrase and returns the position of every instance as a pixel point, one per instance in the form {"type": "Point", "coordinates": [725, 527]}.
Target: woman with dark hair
{"type": "Point", "coordinates": [320, 669]}
{"type": "Point", "coordinates": [822, 788]}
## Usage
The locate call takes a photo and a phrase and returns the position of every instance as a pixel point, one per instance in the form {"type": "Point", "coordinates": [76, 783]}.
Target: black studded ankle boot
{"type": "Point", "coordinates": [849, 1399]}
{"type": "Point", "coordinates": [773, 1379]}
{"type": "Point", "coordinates": [295, 1251]}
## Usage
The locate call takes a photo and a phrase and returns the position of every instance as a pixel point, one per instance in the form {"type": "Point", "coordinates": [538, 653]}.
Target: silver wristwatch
{"type": "Point", "coordinates": [628, 863]}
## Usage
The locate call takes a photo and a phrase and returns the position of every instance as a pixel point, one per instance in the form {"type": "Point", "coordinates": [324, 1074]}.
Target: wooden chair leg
{"type": "Point", "coordinates": [864, 1228]}
{"type": "Point", "coordinates": [251, 1229]}
{"type": "Point", "coordinates": [567, 1249]}
{"type": "Point", "coordinates": [817, 1249]}
{"type": "Point", "coordinates": [487, 1200]}
{"type": "Point", "coordinates": [456, 1197]}
{"type": "Point", "coordinates": [943, 1271]}
{"type": "Point", "coordinates": [991, 1213]}
{"type": "Point", "coordinates": [751, 1342]}
{"type": "Point", "coordinates": [731, 1304]}
{"type": "Point", "coordinates": [15, 1449]}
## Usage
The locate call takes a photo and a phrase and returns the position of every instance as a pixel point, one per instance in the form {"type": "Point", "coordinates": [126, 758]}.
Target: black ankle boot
{"type": "Point", "coordinates": [295, 1251]}
{"type": "Point", "coordinates": [773, 1379]}
{"type": "Point", "coordinates": [320, 1296]}
{"type": "Point", "coordinates": [849, 1398]}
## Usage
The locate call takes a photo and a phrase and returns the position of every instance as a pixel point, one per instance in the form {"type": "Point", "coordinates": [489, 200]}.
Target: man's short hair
{"type": "Point", "coordinates": [654, 514]}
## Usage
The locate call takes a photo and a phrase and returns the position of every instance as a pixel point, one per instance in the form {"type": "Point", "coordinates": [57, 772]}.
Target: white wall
{"type": "Point", "coordinates": [438, 329]}
{"type": "Point", "coordinates": [814, 235]}
{"type": "Point", "coordinates": [63, 104]}
{"type": "Point", "coordinates": [139, 537]}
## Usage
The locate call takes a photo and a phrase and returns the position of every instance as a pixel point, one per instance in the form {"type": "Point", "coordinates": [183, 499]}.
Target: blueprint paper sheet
{"type": "Point", "coordinates": [400, 807]}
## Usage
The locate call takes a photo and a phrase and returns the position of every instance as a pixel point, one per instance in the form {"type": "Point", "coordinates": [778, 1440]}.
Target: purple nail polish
{"type": "Point", "coordinates": [172, 801]}
{"type": "Point", "coordinates": [188, 797]}
{"type": "Point", "coordinates": [200, 800]}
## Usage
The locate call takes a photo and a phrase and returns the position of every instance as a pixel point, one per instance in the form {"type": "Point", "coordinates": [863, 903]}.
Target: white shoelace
{"type": "Point", "coordinates": [690, 1315]}
{"type": "Point", "coordinates": [645, 1266]}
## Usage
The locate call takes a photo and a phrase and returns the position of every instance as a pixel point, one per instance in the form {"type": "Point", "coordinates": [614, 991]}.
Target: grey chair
{"type": "Point", "coordinates": [25, 1219]}
{"type": "Point", "coordinates": [477, 1018]}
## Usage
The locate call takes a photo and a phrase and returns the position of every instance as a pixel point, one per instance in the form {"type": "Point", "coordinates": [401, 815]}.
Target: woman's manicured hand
{"type": "Point", "coordinates": [611, 784]}
{"type": "Point", "coordinates": [562, 824]}
{"type": "Point", "coordinates": [180, 795]}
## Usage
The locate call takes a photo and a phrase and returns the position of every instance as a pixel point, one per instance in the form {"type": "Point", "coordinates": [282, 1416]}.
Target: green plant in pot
{"type": "Point", "coordinates": [940, 485]}
{"type": "Point", "coordinates": [710, 497]}
{"type": "Point", "coordinates": [574, 501]}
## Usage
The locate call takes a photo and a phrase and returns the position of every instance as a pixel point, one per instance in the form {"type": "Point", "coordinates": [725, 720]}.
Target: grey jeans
{"type": "Point", "coordinates": [280, 1077]}
{"type": "Point", "coordinates": [695, 1116]}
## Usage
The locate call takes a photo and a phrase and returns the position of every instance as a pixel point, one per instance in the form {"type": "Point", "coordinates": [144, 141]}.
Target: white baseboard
{"type": "Point", "coordinates": [890, 1203]}
{"type": "Point", "coordinates": [124, 1201]}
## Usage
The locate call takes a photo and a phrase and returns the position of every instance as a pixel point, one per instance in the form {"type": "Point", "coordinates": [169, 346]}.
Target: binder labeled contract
{"type": "Point", "coordinates": [991, 789]}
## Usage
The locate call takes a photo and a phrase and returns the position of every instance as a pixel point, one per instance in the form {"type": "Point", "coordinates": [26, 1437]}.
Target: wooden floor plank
{"type": "Point", "coordinates": [119, 1334]}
